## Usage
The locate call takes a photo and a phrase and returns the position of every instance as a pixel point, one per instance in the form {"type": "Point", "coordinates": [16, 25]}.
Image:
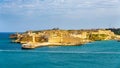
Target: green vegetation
{"type": "Point", "coordinates": [115, 30]}
{"type": "Point", "coordinates": [97, 37]}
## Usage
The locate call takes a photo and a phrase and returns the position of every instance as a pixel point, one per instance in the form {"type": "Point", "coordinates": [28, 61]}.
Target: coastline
{"type": "Point", "coordinates": [33, 39]}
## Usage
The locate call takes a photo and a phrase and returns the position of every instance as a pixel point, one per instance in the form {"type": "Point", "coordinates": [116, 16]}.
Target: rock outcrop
{"type": "Point", "coordinates": [33, 39]}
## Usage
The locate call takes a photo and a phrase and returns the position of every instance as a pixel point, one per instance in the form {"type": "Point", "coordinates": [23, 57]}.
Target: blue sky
{"type": "Point", "coordinates": [22, 15]}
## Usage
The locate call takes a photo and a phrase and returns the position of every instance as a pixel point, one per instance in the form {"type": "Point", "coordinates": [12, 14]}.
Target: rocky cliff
{"type": "Point", "coordinates": [63, 37]}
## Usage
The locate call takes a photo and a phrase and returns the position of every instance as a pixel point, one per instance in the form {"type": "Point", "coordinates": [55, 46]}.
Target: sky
{"type": "Point", "coordinates": [23, 15]}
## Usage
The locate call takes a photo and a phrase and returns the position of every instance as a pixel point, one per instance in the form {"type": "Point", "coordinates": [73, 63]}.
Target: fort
{"type": "Point", "coordinates": [57, 37]}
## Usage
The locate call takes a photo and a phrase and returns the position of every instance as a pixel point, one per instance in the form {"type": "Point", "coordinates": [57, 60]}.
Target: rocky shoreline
{"type": "Point", "coordinates": [56, 37]}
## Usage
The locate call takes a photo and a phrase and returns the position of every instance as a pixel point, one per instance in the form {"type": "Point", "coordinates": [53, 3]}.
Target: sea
{"type": "Point", "coordinates": [99, 54]}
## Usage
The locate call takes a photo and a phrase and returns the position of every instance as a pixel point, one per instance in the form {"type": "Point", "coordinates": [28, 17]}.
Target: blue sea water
{"type": "Point", "coordinates": [99, 54]}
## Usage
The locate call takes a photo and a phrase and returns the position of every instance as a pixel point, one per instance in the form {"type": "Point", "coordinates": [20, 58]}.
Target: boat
{"type": "Point", "coordinates": [27, 46]}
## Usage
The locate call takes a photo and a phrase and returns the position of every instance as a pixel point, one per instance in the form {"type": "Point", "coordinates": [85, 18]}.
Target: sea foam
{"type": "Point", "coordinates": [66, 52]}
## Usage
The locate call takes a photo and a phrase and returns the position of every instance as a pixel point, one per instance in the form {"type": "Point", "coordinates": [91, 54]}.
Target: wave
{"type": "Point", "coordinates": [66, 52]}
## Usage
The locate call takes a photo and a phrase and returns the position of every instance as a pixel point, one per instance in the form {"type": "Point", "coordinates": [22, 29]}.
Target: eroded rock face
{"type": "Point", "coordinates": [64, 37]}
